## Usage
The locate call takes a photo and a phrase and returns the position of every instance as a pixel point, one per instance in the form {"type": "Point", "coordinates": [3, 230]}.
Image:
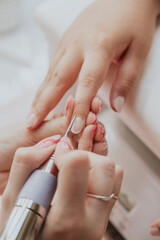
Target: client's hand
{"type": "Point", "coordinates": [17, 136]}
{"type": "Point", "coordinates": [73, 214]}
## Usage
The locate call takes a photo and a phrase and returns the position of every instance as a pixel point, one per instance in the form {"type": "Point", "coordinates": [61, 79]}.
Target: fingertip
{"type": "Point", "coordinates": [96, 105]}
{"type": "Point", "coordinates": [117, 103]}
{"type": "Point", "coordinates": [86, 140]}
{"type": "Point", "coordinates": [91, 119]}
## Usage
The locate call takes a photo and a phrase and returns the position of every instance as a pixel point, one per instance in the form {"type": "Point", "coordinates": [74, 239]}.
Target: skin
{"type": "Point", "coordinates": [72, 214]}
{"type": "Point", "coordinates": [122, 35]}
{"type": "Point", "coordinates": [17, 136]}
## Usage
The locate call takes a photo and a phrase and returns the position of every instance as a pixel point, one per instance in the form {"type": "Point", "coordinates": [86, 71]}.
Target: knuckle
{"type": "Point", "coordinates": [103, 41]}
{"type": "Point", "coordinates": [129, 82]}
{"type": "Point", "coordinates": [21, 156]}
{"type": "Point", "coordinates": [89, 81]}
{"type": "Point", "coordinates": [59, 79]}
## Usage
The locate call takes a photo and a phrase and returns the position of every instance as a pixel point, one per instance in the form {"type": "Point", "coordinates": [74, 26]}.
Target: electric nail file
{"type": "Point", "coordinates": [33, 203]}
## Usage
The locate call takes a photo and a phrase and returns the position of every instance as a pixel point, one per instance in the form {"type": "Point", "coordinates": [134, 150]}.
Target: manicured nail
{"type": "Point", "coordinates": [92, 117]}
{"type": "Point", "coordinates": [65, 143]}
{"type": "Point", "coordinates": [100, 105]}
{"type": "Point", "coordinates": [31, 120]}
{"type": "Point", "coordinates": [78, 125]}
{"type": "Point", "coordinates": [95, 131]}
{"type": "Point", "coordinates": [118, 103]}
{"type": "Point", "coordinates": [105, 147]}
{"type": "Point", "coordinates": [102, 131]}
{"type": "Point", "coordinates": [48, 141]}
{"type": "Point", "coordinates": [68, 104]}
{"type": "Point", "coordinates": [155, 231]}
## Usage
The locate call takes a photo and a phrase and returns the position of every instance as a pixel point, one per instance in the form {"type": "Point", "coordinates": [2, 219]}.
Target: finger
{"type": "Point", "coordinates": [101, 148]}
{"type": "Point", "coordinates": [60, 81]}
{"type": "Point", "coordinates": [64, 146]}
{"type": "Point", "coordinates": [116, 189]}
{"type": "Point", "coordinates": [96, 105]}
{"type": "Point", "coordinates": [3, 181]}
{"type": "Point", "coordinates": [90, 79]}
{"type": "Point", "coordinates": [73, 182]}
{"type": "Point", "coordinates": [155, 228]}
{"type": "Point", "coordinates": [127, 75]}
{"type": "Point", "coordinates": [57, 57]}
{"type": "Point", "coordinates": [86, 140]}
{"type": "Point", "coordinates": [58, 125]}
{"type": "Point", "coordinates": [69, 205]}
{"type": "Point", "coordinates": [26, 160]}
{"type": "Point", "coordinates": [50, 128]}
{"type": "Point", "coordinates": [103, 172]}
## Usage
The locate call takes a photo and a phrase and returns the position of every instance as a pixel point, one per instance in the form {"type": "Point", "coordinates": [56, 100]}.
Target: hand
{"type": "Point", "coordinates": [107, 32]}
{"type": "Point", "coordinates": [18, 136]}
{"type": "Point", "coordinates": [72, 214]}
{"type": "Point", "coordinates": [155, 228]}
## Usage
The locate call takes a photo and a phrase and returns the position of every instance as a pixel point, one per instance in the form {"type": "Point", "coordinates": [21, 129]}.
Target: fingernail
{"type": "Point", "coordinates": [92, 117]}
{"type": "Point", "coordinates": [68, 104]}
{"type": "Point", "coordinates": [78, 125]}
{"type": "Point", "coordinates": [65, 143]}
{"type": "Point", "coordinates": [95, 131]}
{"type": "Point", "coordinates": [31, 120]}
{"type": "Point", "coordinates": [100, 105]}
{"type": "Point", "coordinates": [102, 131]}
{"type": "Point", "coordinates": [118, 103]}
{"type": "Point", "coordinates": [48, 141]}
{"type": "Point", "coordinates": [155, 231]}
{"type": "Point", "coordinates": [105, 147]}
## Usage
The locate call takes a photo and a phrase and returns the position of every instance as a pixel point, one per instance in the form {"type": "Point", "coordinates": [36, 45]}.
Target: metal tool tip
{"type": "Point", "coordinates": [70, 126]}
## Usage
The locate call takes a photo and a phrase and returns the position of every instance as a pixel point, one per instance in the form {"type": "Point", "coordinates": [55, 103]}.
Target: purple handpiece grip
{"type": "Point", "coordinates": [40, 188]}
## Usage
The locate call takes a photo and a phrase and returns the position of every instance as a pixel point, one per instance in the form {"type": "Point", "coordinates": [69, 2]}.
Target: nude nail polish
{"type": "Point", "coordinates": [31, 120]}
{"type": "Point", "coordinates": [119, 103]}
{"type": "Point", "coordinates": [78, 125]}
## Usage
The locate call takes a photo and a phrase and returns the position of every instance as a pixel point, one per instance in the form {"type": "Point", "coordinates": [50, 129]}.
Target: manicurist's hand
{"type": "Point", "coordinates": [108, 31]}
{"type": "Point", "coordinates": [17, 136]}
{"type": "Point", "coordinates": [73, 214]}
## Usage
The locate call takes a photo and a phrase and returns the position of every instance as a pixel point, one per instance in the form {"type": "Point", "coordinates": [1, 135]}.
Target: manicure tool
{"type": "Point", "coordinates": [33, 203]}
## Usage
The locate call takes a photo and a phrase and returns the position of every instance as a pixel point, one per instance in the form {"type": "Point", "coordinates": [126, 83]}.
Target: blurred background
{"type": "Point", "coordinates": [29, 34]}
{"type": "Point", "coordinates": [23, 53]}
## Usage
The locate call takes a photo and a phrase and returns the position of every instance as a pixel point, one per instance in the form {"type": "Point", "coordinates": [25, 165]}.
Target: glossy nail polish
{"type": "Point", "coordinates": [119, 103]}
{"type": "Point", "coordinates": [78, 125]}
{"type": "Point", "coordinates": [31, 120]}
